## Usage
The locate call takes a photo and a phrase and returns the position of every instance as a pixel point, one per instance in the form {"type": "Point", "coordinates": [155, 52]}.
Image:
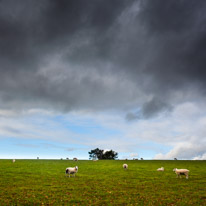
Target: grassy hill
{"type": "Point", "coordinates": [105, 182]}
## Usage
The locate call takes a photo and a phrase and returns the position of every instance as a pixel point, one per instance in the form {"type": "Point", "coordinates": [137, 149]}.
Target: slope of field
{"type": "Point", "coordinates": [43, 182]}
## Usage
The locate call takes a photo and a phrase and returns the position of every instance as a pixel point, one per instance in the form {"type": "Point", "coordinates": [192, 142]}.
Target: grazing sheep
{"type": "Point", "coordinates": [125, 166]}
{"type": "Point", "coordinates": [71, 170]}
{"type": "Point", "coordinates": [180, 172]}
{"type": "Point", "coordinates": [14, 160]}
{"type": "Point", "coordinates": [161, 169]}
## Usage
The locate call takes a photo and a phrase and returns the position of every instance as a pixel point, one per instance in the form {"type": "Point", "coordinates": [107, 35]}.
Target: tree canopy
{"type": "Point", "coordinates": [101, 154]}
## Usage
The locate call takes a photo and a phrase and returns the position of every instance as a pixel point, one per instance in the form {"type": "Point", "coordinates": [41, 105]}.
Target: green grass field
{"type": "Point", "coordinates": [105, 182]}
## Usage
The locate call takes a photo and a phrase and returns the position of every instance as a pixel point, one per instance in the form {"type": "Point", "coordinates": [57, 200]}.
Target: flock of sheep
{"type": "Point", "coordinates": [179, 172]}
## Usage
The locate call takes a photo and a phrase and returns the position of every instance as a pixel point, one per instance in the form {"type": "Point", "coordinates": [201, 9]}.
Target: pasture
{"type": "Point", "coordinates": [105, 182]}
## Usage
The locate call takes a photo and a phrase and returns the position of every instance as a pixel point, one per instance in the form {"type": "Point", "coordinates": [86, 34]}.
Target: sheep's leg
{"type": "Point", "coordinates": [66, 173]}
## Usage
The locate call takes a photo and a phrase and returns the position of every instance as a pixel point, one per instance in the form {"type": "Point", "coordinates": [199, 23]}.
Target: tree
{"type": "Point", "coordinates": [100, 154]}
{"type": "Point", "coordinates": [96, 153]}
{"type": "Point", "coordinates": [110, 155]}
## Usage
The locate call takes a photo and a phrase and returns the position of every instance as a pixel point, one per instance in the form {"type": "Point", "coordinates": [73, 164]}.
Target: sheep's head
{"type": "Point", "coordinates": [76, 168]}
{"type": "Point", "coordinates": [125, 166]}
{"type": "Point", "coordinates": [174, 169]}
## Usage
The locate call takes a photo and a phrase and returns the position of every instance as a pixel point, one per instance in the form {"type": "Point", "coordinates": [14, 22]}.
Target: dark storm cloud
{"type": "Point", "coordinates": [171, 48]}
{"type": "Point", "coordinates": [30, 29]}
{"type": "Point", "coordinates": [179, 29]}
{"type": "Point", "coordinates": [153, 107]}
{"type": "Point", "coordinates": [166, 53]}
{"type": "Point", "coordinates": [100, 54]}
{"type": "Point", "coordinates": [150, 109]}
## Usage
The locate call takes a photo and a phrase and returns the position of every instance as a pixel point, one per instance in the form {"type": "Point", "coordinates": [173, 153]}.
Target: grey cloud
{"type": "Point", "coordinates": [12, 130]}
{"type": "Point", "coordinates": [132, 116]}
{"type": "Point", "coordinates": [97, 55]}
{"type": "Point", "coordinates": [150, 109]}
{"type": "Point", "coordinates": [154, 107]}
{"type": "Point", "coordinates": [178, 33]}
{"type": "Point", "coordinates": [174, 16]}
{"type": "Point", "coordinates": [32, 29]}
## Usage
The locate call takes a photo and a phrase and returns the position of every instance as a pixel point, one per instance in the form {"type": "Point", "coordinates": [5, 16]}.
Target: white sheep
{"type": "Point", "coordinates": [125, 166]}
{"type": "Point", "coordinates": [161, 169]}
{"type": "Point", "coordinates": [14, 160]}
{"type": "Point", "coordinates": [180, 172]}
{"type": "Point", "coordinates": [71, 170]}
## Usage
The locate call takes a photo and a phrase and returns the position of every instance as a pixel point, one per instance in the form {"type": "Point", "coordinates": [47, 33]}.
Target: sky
{"type": "Point", "coordinates": [123, 75]}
